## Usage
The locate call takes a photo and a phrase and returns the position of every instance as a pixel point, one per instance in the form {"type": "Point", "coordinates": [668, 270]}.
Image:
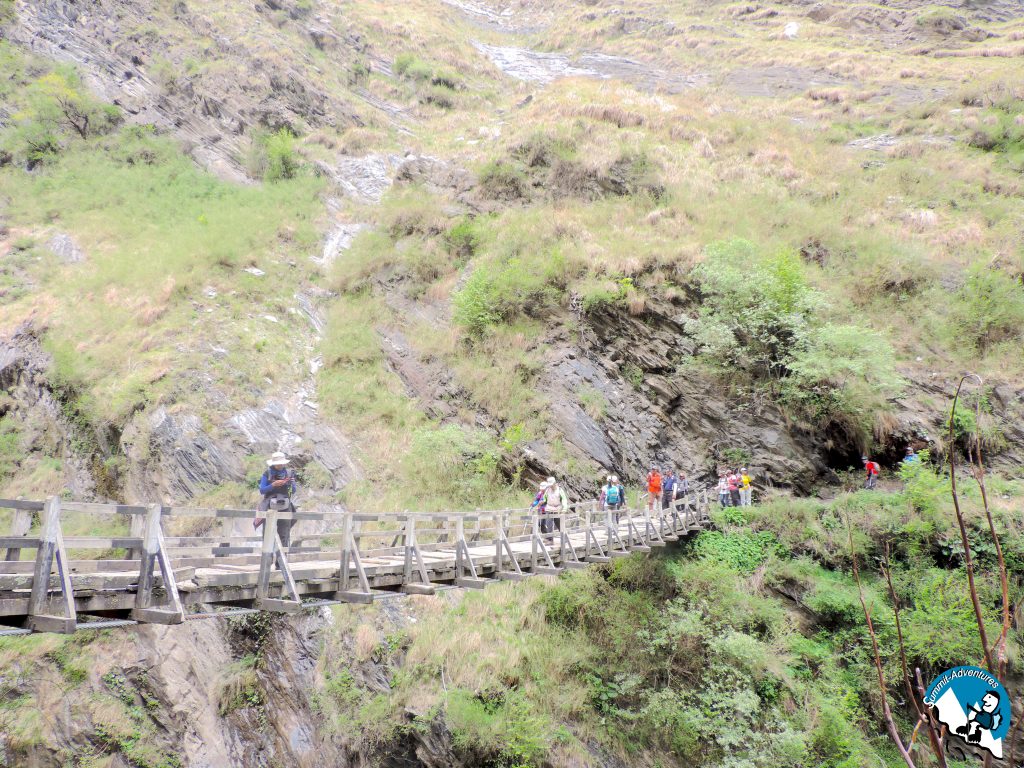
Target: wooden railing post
{"type": "Point", "coordinates": [414, 562]}
{"type": "Point", "coordinates": [466, 574]}
{"type": "Point", "coordinates": [51, 548]}
{"type": "Point", "coordinates": [20, 526]}
{"type": "Point", "coordinates": [272, 553]}
{"type": "Point", "coordinates": [350, 558]}
{"type": "Point", "coordinates": [154, 553]}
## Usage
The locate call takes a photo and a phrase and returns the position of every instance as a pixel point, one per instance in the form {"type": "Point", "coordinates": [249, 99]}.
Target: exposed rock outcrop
{"type": "Point", "coordinates": [42, 414]}
{"type": "Point", "coordinates": [128, 61]}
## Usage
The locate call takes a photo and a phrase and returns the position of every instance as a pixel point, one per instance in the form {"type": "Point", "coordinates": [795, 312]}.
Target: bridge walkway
{"type": "Point", "coordinates": [57, 584]}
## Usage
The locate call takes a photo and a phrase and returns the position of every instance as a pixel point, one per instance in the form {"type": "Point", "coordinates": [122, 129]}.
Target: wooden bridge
{"type": "Point", "coordinates": [49, 584]}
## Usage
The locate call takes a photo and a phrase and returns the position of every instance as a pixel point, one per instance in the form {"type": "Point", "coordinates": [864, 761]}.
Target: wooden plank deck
{"type": "Point", "coordinates": [359, 558]}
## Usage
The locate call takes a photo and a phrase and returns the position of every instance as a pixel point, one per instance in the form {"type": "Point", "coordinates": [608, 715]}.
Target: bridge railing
{"type": "Point", "coordinates": [413, 551]}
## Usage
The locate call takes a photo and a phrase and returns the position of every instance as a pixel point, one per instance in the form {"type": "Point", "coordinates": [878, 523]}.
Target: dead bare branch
{"type": "Point", "coordinates": [890, 724]}
{"type": "Point", "coordinates": [968, 560]}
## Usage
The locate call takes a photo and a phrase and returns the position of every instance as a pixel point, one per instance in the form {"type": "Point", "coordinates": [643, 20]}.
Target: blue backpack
{"type": "Point", "coordinates": [612, 495]}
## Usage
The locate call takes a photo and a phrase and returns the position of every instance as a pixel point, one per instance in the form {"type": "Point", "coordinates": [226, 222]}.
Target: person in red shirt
{"type": "Point", "coordinates": [733, 482]}
{"type": "Point", "coordinates": [653, 487]}
{"type": "Point", "coordinates": [871, 469]}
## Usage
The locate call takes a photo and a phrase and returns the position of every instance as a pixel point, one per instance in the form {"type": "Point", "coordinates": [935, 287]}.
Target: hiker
{"type": "Point", "coordinates": [746, 487]}
{"type": "Point", "coordinates": [622, 497]}
{"type": "Point", "coordinates": [653, 487]}
{"type": "Point", "coordinates": [555, 503]}
{"type": "Point", "coordinates": [538, 500]}
{"type": "Point", "coordinates": [611, 494]}
{"type": "Point", "coordinates": [277, 485]}
{"type": "Point", "coordinates": [683, 487]}
{"type": "Point", "coordinates": [603, 497]}
{"type": "Point", "coordinates": [733, 484]}
{"type": "Point", "coordinates": [723, 490]}
{"type": "Point", "coordinates": [911, 455]}
{"type": "Point", "coordinates": [871, 473]}
{"type": "Point", "coordinates": [668, 489]}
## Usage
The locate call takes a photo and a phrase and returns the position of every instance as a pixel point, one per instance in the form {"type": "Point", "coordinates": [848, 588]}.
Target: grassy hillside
{"type": "Point", "coordinates": [748, 648]}
{"type": "Point", "coordinates": [823, 227]}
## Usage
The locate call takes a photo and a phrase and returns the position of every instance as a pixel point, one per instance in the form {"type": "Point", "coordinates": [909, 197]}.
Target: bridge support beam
{"type": "Point", "coordinates": [51, 551]}
{"type": "Point", "coordinates": [501, 548]}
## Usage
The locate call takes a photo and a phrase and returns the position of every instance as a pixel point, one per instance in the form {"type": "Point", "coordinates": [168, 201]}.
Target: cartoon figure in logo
{"type": "Point", "coordinates": [987, 718]}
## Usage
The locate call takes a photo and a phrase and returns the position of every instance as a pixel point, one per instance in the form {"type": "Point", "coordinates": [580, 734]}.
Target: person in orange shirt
{"type": "Point", "coordinates": [653, 487]}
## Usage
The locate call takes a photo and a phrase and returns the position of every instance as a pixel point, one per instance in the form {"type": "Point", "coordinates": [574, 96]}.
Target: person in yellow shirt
{"type": "Point", "coordinates": [746, 488]}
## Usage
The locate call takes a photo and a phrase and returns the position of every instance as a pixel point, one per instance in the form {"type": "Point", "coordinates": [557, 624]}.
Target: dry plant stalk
{"type": "Point", "coordinates": [968, 560]}
{"type": "Point", "coordinates": [890, 724]}
{"type": "Point", "coordinates": [923, 716]}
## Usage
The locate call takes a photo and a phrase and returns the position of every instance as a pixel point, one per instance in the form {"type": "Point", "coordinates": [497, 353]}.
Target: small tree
{"type": "Point", "coordinates": [55, 105]}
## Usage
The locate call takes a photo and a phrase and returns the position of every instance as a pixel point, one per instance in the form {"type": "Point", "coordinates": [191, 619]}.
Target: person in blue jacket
{"type": "Point", "coordinates": [278, 487]}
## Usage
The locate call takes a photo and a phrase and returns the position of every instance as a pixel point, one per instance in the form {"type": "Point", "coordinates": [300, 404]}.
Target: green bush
{"type": "Point", "coordinates": [844, 375]}
{"type": "Point", "coordinates": [282, 161]}
{"type": "Point", "coordinates": [989, 308]}
{"type": "Point", "coordinates": [742, 551]}
{"type": "Point", "coordinates": [941, 629]}
{"type": "Point", "coordinates": [502, 290]}
{"type": "Point", "coordinates": [410, 67]}
{"type": "Point", "coordinates": [462, 239]}
{"type": "Point", "coordinates": [51, 110]}
{"type": "Point", "coordinates": [499, 726]}
{"type": "Point", "coordinates": [756, 309]}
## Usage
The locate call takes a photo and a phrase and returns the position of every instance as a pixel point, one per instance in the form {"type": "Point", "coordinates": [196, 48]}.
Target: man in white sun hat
{"type": "Point", "coordinates": [278, 486]}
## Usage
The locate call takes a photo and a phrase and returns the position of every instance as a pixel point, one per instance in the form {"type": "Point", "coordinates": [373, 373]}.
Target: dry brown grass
{"type": "Point", "coordinates": [617, 116]}
{"type": "Point", "coordinates": [367, 640]}
{"type": "Point", "coordinates": [985, 53]}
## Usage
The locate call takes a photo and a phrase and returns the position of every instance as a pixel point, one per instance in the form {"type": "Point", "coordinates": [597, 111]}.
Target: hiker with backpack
{"type": "Point", "coordinates": [611, 494]}
{"type": "Point", "coordinates": [871, 470]}
{"type": "Point", "coordinates": [653, 487]}
{"type": "Point", "coordinates": [277, 485]}
{"type": "Point", "coordinates": [621, 497]}
{"type": "Point", "coordinates": [668, 489]}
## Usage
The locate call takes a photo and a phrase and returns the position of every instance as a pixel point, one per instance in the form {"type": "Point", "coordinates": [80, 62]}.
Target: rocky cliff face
{"type": "Point", "coordinates": [142, 56]}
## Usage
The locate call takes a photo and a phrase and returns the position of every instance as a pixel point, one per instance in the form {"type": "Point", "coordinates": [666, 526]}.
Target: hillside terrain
{"type": "Point", "coordinates": [439, 250]}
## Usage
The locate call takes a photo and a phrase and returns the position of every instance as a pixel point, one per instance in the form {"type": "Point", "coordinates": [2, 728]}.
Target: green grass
{"type": "Point", "coordinates": [158, 232]}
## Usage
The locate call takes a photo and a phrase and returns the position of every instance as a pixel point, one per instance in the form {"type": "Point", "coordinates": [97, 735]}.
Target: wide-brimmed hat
{"type": "Point", "coordinates": [277, 459]}
{"type": "Point", "coordinates": [544, 485]}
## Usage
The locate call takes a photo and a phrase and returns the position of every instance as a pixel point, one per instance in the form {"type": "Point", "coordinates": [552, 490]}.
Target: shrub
{"type": "Point", "coordinates": [941, 628]}
{"type": "Point", "coordinates": [843, 375]}
{"type": "Point", "coordinates": [742, 551]}
{"type": "Point", "coordinates": [52, 109]}
{"type": "Point", "coordinates": [756, 309]}
{"type": "Point", "coordinates": [462, 239]}
{"type": "Point", "coordinates": [500, 291]}
{"type": "Point", "coordinates": [989, 308]}
{"type": "Point", "coordinates": [272, 156]}
{"type": "Point", "coordinates": [282, 161]}
{"type": "Point", "coordinates": [443, 98]}
{"type": "Point", "coordinates": [408, 66]}
{"type": "Point", "coordinates": [503, 181]}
